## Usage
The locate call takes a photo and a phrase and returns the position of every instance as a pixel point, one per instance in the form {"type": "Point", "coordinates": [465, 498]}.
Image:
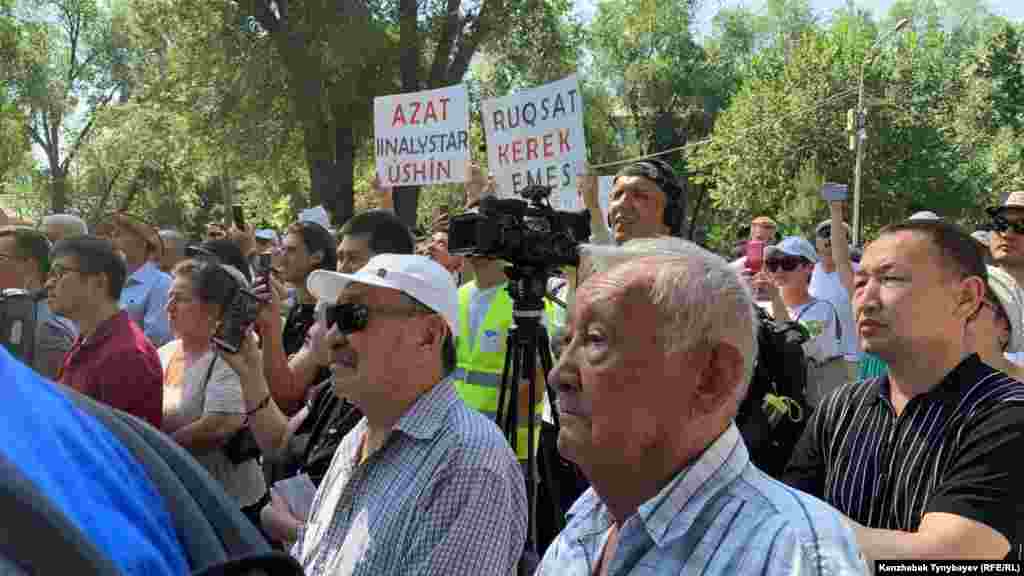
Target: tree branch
{"type": "Point", "coordinates": [84, 134]}
{"type": "Point", "coordinates": [409, 55]}
{"type": "Point", "coordinates": [444, 44]}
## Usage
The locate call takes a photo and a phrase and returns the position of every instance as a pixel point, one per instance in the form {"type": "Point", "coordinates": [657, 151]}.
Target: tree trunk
{"type": "Point", "coordinates": [341, 202]}
{"type": "Point", "coordinates": [58, 188]}
{"type": "Point", "coordinates": [407, 199]}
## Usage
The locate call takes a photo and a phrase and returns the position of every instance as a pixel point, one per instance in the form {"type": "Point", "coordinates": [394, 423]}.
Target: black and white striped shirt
{"type": "Point", "coordinates": [955, 449]}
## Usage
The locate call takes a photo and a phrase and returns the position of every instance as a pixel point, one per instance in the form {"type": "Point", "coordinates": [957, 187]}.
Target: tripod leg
{"type": "Point", "coordinates": [500, 414]}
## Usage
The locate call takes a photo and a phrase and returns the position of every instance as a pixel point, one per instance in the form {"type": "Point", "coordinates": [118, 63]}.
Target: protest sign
{"type": "Point", "coordinates": [536, 137]}
{"type": "Point", "coordinates": [422, 138]}
{"type": "Point", "coordinates": [604, 191]}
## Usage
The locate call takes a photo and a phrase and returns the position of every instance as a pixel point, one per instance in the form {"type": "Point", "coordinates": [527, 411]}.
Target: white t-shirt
{"type": "Point", "coordinates": [827, 286]}
{"type": "Point", "coordinates": [819, 318]}
{"type": "Point", "coordinates": [188, 402]}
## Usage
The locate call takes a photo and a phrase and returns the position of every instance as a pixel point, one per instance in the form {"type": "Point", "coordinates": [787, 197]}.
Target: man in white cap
{"type": "Point", "coordinates": [785, 280]}
{"type": "Point", "coordinates": [1007, 239]}
{"type": "Point", "coordinates": [422, 484]}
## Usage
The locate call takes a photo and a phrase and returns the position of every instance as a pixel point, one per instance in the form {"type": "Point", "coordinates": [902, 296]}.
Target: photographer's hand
{"type": "Point", "coordinates": [268, 424]}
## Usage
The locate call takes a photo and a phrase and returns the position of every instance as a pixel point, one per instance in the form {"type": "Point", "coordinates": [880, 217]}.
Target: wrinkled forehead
{"type": "Point", "coordinates": [625, 284]}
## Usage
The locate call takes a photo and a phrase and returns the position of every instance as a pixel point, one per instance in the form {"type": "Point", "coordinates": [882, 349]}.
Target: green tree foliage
{"type": "Point", "coordinates": [67, 80]}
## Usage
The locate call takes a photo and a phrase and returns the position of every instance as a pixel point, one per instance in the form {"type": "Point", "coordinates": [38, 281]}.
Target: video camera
{"type": "Point", "coordinates": [522, 233]}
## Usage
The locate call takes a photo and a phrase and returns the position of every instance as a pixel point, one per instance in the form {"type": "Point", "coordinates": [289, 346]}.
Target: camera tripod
{"type": "Point", "coordinates": [526, 342]}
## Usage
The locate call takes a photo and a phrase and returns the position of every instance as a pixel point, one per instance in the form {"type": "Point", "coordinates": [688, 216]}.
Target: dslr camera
{"type": "Point", "coordinates": [520, 232]}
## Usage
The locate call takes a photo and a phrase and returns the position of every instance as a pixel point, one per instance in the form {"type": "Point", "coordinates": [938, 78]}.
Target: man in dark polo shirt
{"type": "Point", "coordinates": [111, 361]}
{"type": "Point", "coordinates": [925, 459]}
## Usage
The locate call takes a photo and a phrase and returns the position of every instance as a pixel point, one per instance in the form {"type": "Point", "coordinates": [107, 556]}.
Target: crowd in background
{"type": "Point", "coordinates": [354, 425]}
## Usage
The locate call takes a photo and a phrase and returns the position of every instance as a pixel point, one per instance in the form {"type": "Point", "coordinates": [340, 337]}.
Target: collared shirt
{"type": "Point", "coordinates": [144, 297]}
{"type": "Point", "coordinates": [955, 449]}
{"type": "Point", "coordinates": [118, 366]}
{"type": "Point", "coordinates": [719, 515]}
{"type": "Point", "coordinates": [444, 496]}
{"type": "Point", "coordinates": [55, 335]}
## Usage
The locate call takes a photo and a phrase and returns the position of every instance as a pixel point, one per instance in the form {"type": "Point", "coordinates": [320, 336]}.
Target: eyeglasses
{"type": "Point", "coordinates": [350, 317]}
{"type": "Point", "coordinates": [787, 264]}
{"type": "Point", "coordinates": [58, 272]}
{"type": "Point", "coordinates": [1002, 225]}
{"type": "Point", "coordinates": [825, 233]}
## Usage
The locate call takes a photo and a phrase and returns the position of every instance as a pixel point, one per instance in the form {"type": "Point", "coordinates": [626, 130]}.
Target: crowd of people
{"type": "Point", "coordinates": [354, 422]}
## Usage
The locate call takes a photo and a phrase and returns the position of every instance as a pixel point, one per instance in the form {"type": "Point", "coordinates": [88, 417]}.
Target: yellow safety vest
{"type": "Point", "coordinates": [479, 368]}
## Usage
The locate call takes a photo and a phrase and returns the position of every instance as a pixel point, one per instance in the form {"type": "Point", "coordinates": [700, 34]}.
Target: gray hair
{"type": "Point", "coordinates": [174, 240]}
{"type": "Point", "coordinates": [69, 224]}
{"type": "Point", "coordinates": [699, 297]}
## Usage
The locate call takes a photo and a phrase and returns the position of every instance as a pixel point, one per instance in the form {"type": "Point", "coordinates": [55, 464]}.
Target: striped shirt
{"type": "Point", "coordinates": [444, 495]}
{"type": "Point", "coordinates": [720, 515]}
{"type": "Point", "coordinates": [955, 449]}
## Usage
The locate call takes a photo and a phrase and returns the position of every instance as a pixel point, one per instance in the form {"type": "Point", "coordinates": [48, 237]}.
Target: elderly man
{"type": "Point", "coordinates": [60, 226]}
{"type": "Point", "coordinates": [422, 484]}
{"type": "Point", "coordinates": [660, 348]}
{"type": "Point", "coordinates": [934, 469]}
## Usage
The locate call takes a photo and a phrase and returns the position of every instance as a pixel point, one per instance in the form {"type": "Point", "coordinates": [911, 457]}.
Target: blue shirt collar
{"type": "Point", "coordinates": [145, 274]}
{"type": "Point", "coordinates": [677, 505]}
{"type": "Point", "coordinates": [426, 415]}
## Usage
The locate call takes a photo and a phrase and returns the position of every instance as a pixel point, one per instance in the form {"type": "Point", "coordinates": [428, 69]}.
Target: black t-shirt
{"type": "Point", "coordinates": [329, 419]}
{"type": "Point", "coordinates": [954, 449]}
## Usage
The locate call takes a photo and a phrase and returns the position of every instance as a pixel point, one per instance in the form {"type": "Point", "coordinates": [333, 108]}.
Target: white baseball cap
{"type": "Point", "coordinates": [416, 276]}
{"type": "Point", "coordinates": [794, 246]}
{"type": "Point", "coordinates": [925, 215]}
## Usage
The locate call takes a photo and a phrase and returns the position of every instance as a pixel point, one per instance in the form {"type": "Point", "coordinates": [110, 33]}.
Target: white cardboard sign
{"type": "Point", "coordinates": [422, 138]}
{"type": "Point", "coordinates": [536, 137]}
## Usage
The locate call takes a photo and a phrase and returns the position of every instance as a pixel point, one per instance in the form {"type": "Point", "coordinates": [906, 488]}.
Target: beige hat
{"type": "Point", "coordinates": [1010, 296]}
{"type": "Point", "coordinates": [140, 228]}
{"type": "Point", "coordinates": [764, 221]}
{"type": "Point", "coordinates": [1014, 200]}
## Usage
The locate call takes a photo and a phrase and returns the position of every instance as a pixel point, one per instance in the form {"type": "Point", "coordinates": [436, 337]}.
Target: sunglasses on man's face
{"type": "Point", "coordinates": [825, 233]}
{"type": "Point", "coordinates": [351, 317]}
{"type": "Point", "coordinates": [1002, 225]}
{"type": "Point", "coordinates": [786, 264]}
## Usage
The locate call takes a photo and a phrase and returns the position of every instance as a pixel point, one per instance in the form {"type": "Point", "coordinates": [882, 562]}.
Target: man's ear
{"type": "Point", "coordinates": [970, 295]}
{"type": "Point", "coordinates": [433, 332]}
{"type": "Point", "coordinates": [721, 374]}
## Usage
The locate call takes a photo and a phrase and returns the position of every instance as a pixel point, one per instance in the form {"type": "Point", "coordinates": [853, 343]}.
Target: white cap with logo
{"type": "Point", "coordinates": [416, 276]}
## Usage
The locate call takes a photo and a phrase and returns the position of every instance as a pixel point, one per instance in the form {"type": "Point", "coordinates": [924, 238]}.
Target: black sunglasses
{"type": "Point", "coordinates": [348, 317]}
{"type": "Point", "coordinates": [1002, 225]}
{"type": "Point", "coordinates": [788, 264]}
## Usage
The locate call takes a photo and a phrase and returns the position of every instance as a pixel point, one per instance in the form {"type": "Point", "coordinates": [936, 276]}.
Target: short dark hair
{"type": "Point", "coordinates": [662, 174]}
{"type": "Point", "coordinates": [384, 230]}
{"type": "Point", "coordinates": [211, 283]}
{"type": "Point", "coordinates": [960, 253]}
{"type": "Point", "coordinates": [95, 256]}
{"type": "Point", "coordinates": [224, 251]}
{"type": "Point", "coordinates": [31, 245]}
{"type": "Point", "coordinates": [317, 239]}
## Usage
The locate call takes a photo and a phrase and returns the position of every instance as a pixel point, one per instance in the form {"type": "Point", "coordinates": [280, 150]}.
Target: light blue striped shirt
{"type": "Point", "coordinates": [443, 496]}
{"type": "Point", "coordinates": [144, 298]}
{"type": "Point", "coordinates": [720, 515]}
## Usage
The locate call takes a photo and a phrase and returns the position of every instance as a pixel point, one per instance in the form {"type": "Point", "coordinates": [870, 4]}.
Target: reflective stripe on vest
{"type": "Point", "coordinates": [477, 377]}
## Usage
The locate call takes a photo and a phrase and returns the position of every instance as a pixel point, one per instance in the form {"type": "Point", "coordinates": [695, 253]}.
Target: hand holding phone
{"type": "Point", "coordinates": [832, 192]}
